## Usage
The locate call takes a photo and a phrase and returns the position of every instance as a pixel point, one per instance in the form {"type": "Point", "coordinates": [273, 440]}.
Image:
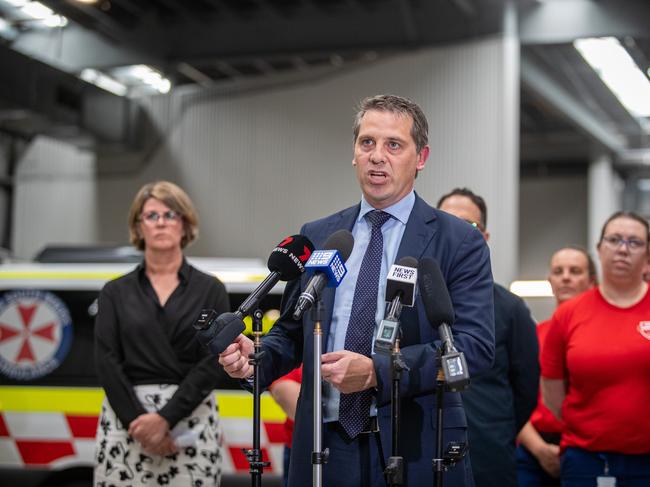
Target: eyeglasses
{"type": "Point", "coordinates": [475, 224]}
{"type": "Point", "coordinates": [633, 244]}
{"type": "Point", "coordinates": [152, 218]}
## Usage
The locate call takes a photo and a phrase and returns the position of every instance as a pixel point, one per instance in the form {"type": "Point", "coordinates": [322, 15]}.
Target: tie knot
{"type": "Point", "coordinates": [377, 218]}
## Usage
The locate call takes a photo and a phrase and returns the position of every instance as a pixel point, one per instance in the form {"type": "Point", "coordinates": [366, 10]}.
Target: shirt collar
{"type": "Point", "coordinates": [400, 210]}
{"type": "Point", "coordinates": [183, 271]}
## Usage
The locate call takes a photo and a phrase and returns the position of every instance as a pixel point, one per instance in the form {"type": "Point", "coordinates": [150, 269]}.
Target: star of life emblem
{"type": "Point", "coordinates": [644, 329]}
{"type": "Point", "coordinates": [35, 334]}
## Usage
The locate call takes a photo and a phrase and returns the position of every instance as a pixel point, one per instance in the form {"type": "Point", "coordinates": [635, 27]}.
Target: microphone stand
{"type": "Point", "coordinates": [254, 455]}
{"type": "Point", "coordinates": [438, 462]}
{"type": "Point", "coordinates": [453, 376]}
{"type": "Point", "coordinates": [318, 456]}
{"type": "Point", "coordinates": [394, 471]}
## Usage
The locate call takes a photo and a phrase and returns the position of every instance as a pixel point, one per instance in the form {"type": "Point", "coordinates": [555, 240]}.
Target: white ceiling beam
{"type": "Point", "coordinates": [566, 104]}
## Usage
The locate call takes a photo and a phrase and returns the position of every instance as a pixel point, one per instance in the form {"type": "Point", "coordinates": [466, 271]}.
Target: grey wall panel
{"type": "Point", "coordinates": [553, 214]}
{"type": "Point", "coordinates": [259, 164]}
{"type": "Point", "coordinates": [55, 197]}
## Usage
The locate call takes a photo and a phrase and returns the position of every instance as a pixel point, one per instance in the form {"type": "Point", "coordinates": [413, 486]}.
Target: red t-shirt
{"type": "Point", "coordinates": [542, 418]}
{"type": "Point", "coordinates": [296, 376]}
{"type": "Point", "coordinates": [604, 352]}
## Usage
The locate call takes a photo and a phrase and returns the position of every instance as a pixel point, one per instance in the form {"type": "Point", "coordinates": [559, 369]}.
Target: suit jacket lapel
{"type": "Point", "coordinates": [419, 230]}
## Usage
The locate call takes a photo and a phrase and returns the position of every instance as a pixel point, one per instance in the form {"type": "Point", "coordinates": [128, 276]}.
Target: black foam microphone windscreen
{"type": "Point", "coordinates": [408, 261]}
{"type": "Point", "coordinates": [434, 293]}
{"type": "Point", "coordinates": [217, 332]}
{"type": "Point", "coordinates": [289, 257]}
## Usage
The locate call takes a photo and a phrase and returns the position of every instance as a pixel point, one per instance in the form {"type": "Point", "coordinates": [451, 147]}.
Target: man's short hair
{"type": "Point", "coordinates": [400, 105]}
{"type": "Point", "coordinates": [473, 197]}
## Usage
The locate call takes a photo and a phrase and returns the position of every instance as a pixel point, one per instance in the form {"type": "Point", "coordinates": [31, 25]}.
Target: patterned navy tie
{"type": "Point", "coordinates": [354, 409]}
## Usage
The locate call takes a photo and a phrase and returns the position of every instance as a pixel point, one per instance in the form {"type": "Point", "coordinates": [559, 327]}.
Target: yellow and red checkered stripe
{"type": "Point", "coordinates": [54, 427]}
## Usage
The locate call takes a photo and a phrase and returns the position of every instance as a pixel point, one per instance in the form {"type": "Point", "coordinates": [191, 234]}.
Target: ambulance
{"type": "Point", "coordinates": [50, 398]}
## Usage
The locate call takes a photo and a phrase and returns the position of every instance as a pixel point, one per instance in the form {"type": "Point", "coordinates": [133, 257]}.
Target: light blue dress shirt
{"type": "Point", "coordinates": [392, 232]}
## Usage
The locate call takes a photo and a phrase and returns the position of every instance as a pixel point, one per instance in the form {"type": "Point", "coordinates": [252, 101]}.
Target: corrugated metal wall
{"type": "Point", "coordinates": [260, 164]}
{"type": "Point", "coordinates": [55, 197]}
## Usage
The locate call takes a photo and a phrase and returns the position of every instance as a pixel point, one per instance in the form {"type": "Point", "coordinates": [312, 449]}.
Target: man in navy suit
{"type": "Point", "coordinates": [390, 147]}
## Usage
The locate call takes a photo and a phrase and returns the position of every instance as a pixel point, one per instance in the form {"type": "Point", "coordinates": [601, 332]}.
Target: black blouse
{"type": "Point", "coordinates": [138, 341]}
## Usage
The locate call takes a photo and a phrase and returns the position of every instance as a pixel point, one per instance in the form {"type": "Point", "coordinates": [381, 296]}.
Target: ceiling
{"type": "Point", "coordinates": [566, 109]}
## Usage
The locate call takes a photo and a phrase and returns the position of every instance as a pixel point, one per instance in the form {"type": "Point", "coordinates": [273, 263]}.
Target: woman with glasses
{"type": "Point", "coordinates": [596, 366]}
{"type": "Point", "coordinates": [159, 422]}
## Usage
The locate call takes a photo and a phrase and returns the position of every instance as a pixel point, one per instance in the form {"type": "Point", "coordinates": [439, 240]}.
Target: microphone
{"type": "Point", "coordinates": [440, 313]}
{"type": "Point", "coordinates": [400, 285]}
{"type": "Point", "coordinates": [328, 267]}
{"type": "Point", "coordinates": [286, 262]}
{"type": "Point", "coordinates": [400, 291]}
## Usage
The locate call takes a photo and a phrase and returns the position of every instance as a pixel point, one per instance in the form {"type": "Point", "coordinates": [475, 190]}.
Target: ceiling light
{"type": "Point", "coordinates": [17, 3]}
{"type": "Point", "coordinates": [105, 82]}
{"type": "Point", "coordinates": [532, 289]}
{"type": "Point", "coordinates": [37, 10]}
{"type": "Point", "coordinates": [164, 86]}
{"type": "Point", "coordinates": [618, 71]}
{"type": "Point", "coordinates": [150, 77]}
{"type": "Point", "coordinates": [55, 21]}
{"type": "Point", "coordinates": [140, 71]}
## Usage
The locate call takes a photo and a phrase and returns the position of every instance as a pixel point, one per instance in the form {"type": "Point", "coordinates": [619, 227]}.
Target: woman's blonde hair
{"type": "Point", "coordinates": [172, 196]}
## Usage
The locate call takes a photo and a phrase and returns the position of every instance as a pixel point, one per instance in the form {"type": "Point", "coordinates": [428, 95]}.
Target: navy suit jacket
{"type": "Point", "coordinates": [464, 260]}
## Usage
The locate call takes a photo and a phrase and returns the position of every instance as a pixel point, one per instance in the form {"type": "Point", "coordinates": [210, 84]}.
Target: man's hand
{"type": "Point", "coordinates": [234, 358]}
{"type": "Point", "coordinates": [348, 371]}
{"type": "Point", "coordinates": [149, 430]}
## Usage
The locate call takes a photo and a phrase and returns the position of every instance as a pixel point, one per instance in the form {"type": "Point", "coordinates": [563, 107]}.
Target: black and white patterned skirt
{"type": "Point", "coordinates": [121, 461]}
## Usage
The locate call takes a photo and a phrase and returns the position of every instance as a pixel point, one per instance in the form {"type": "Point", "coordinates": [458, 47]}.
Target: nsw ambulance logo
{"type": "Point", "coordinates": [35, 334]}
{"type": "Point", "coordinates": [644, 329]}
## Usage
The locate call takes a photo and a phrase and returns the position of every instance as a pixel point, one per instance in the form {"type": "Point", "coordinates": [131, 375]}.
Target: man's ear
{"type": "Point", "coordinates": [422, 158]}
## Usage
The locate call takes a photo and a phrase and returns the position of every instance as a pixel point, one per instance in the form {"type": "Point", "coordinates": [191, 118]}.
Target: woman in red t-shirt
{"type": "Point", "coordinates": [596, 366]}
{"type": "Point", "coordinates": [572, 272]}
